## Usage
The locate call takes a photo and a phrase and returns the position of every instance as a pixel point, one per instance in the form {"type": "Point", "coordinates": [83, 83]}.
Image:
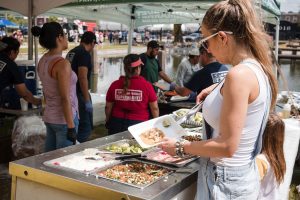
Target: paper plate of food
{"type": "Point", "coordinates": [151, 133]}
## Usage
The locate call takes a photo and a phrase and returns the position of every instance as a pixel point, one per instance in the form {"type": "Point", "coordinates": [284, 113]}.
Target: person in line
{"type": "Point", "coordinates": [81, 63]}
{"type": "Point", "coordinates": [211, 73]}
{"type": "Point", "coordinates": [188, 67]}
{"type": "Point", "coordinates": [151, 69]}
{"type": "Point", "coordinates": [128, 99]}
{"type": "Point", "coordinates": [271, 162]}
{"type": "Point", "coordinates": [236, 109]}
{"type": "Point", "coordinates": [10, 75]}
{"type": "Point", "coordinates": [59, 87]}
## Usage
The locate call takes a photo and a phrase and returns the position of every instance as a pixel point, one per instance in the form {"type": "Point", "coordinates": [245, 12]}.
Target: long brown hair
{"type": "Point", "coordinates": [272, 146]}
{"type": "Point", "coordinates": [129, 71]}
{"type": "Point", "coordinates": [239, 17]}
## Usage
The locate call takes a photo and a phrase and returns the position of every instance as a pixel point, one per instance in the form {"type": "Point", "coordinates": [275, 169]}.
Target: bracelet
{"type": "Point", "coordinates": [179, 148]}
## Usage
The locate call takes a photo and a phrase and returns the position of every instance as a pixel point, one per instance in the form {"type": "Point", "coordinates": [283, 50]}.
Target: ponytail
{"type": "Point", "coordinates": [129, 70]}
{"type": "Point", "coordinates": [239, 17]}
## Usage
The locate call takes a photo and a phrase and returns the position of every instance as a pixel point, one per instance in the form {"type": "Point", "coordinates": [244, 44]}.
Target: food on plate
{"type": "Point", "coordinates": [161, 156]}
{"type": "Point", "coordinates": [152, 136]}
{"type": "Point", "coordinates": [124, 148]}
{"type": "Point", "coordinates": [166, 123]}
{"type": "Point", "coordinates": [171, 93]}
{"type": "Point", "coordinates": [192, 138]}
{"type": "Point", "coordinates": [181, 112]}
{"type": "Point", "coordinates": [196, 118]}
{"type": "Point", "coordinates": [136, 173]}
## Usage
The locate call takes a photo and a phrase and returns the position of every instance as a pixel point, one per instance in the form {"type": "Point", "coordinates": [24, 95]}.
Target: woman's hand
{"type": "Point", "coordinates": [168, 145]}
{"type": "Point", "coordinates": [204, 93]}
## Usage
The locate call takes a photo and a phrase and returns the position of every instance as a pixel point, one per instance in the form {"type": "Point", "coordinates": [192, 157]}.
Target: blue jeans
{"type": "Point", "coordinates": [85, 120]}
{"type": "Point", "coordinates": [56, 137]}
{"type": "Point", "coordinates": [219, 182]}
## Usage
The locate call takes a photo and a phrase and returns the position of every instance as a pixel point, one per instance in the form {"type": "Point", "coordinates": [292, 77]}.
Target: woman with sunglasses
{"type": "Point", "coordinates": [59, 87]}
{"type": "Point", "coordinates": [128, 99]}
{"type": "Point", "coordinates": [237, 109]}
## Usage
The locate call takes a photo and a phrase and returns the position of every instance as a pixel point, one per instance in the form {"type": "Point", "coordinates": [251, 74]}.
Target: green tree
{"type": "Point", "coordinates": [52, 19]}
{"type": "Point", "coordinates": [17, 20]}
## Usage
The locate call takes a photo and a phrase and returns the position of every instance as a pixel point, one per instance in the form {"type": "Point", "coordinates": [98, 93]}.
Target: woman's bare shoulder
{"type": "Point", "coordinates": [63, 65]}
{"type": "Point", "coordinates": [241, 73]}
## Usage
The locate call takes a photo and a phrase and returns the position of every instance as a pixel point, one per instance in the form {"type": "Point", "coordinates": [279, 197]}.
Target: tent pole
{"type": "Point", "coordinates": [30, 38]}
{"type": "Point", "coordinates": [132, 21]}
{"type": "Point", "coordinates": [277, 41]}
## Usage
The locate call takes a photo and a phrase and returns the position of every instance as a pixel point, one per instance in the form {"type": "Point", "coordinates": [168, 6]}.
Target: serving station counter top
{"type": "Point", "coordinates": [30, 174]}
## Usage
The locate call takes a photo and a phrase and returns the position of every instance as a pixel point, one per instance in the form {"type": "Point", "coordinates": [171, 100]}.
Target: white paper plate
{"type": "Point", "coordinates": [179, 98]}
{"type": "Point", "coordinates": [173, 131]}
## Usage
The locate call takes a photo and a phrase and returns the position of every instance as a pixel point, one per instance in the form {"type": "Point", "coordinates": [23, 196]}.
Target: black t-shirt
{"type": "Point", "coordinates": [210, 74]}
{"type": "Point", "coordinates": [80, 57]}
{"type": "Point", "coordinates": [10, 73]}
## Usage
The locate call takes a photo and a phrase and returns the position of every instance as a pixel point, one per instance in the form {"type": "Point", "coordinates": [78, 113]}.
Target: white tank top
{"type": "Point", "coordinates": [212, 111]}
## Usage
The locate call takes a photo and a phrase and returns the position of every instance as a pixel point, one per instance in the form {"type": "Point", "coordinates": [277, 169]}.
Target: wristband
{"type": "Point", "coordinates": [179, 148]}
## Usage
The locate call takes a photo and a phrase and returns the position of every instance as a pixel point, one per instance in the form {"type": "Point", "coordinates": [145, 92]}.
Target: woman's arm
{"type": "Point", "coordinates": [205, 92]}
{"type": "Point", "coordinates": [62, 72]}
{"type": "Point", "coordinates": [237, 90]}
{"type": "Point", "coordinates": [154, 109]}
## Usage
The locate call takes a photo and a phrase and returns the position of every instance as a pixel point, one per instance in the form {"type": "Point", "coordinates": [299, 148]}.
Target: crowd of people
{"type": "Point", "coordinates": [242, 154]}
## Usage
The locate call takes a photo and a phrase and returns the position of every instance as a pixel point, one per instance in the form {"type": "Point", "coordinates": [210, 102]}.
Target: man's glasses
{"type": "Point", "coordinates": [204, 41]}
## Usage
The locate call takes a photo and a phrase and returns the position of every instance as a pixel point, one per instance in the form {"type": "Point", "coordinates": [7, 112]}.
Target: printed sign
{"type": "Point", "coordinates": [218, 76]}
{"type": "Point", "coordinates": [131, 95]}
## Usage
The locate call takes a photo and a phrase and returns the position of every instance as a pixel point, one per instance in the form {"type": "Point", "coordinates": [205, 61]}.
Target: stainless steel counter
{"type": "Point", "coordinates": [33, 170]}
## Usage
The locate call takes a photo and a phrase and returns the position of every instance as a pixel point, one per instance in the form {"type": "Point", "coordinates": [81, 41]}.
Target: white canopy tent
{"type": "Point", "coordinates": [133, 13]}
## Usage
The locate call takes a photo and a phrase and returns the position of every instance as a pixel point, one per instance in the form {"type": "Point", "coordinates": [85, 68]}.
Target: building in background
{"type": "Point", "coordinates": [289, 26]}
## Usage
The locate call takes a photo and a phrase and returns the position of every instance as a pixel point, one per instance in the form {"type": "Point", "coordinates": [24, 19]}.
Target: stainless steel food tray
{"type": "Point", "coordinates": [129, 141]}
{"type": "Point", "coordinates": [133, 161]}
{"type": "Point", "coordinates": [180, 163]}
{"type": "Point", "coordinates": [55, 163]}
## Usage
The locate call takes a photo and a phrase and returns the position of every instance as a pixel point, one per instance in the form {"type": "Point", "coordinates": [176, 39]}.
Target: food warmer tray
{"type": "Point", "coordinates": [79, 157]}
{"type": "Point", "coordinates": [170, 170]}
{"type": "Point", "coordinates": [179, 163]}
{"type": "Point", "coordinates": [118, 143]}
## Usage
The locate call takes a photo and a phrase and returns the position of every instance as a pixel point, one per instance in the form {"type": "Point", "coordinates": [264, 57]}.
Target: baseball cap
{"type": "Point", "coordinates": [153, 44]}
{"type": "Point", "coordinates": [137, 63]}
{"type": "Point", "coordinates": [194, 52]}
{"type": "Point", "coordinates": [88, 37]}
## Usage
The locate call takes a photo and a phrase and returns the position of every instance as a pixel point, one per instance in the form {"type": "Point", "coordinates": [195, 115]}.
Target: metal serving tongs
{"type": "Point", "coordinates": [196, 108]}
{"type": "Point", "coordinates": [190, 113]}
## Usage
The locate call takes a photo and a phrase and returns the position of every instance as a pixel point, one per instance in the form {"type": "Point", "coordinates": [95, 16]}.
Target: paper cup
{"type": "Point", "coordinates": [24, 104]}
{"type": "Point", "coordinates": [38, 97]}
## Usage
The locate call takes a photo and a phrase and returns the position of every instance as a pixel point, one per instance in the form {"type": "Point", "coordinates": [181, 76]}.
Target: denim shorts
{"type": "Point", "coordinates": [221, 182]}
{"type": "Point", "coordinates": [56, 137]}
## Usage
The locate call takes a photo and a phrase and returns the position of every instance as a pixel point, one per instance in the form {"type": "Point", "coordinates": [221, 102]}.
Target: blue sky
{"type": "Point", "coordinates": [290, 5]}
